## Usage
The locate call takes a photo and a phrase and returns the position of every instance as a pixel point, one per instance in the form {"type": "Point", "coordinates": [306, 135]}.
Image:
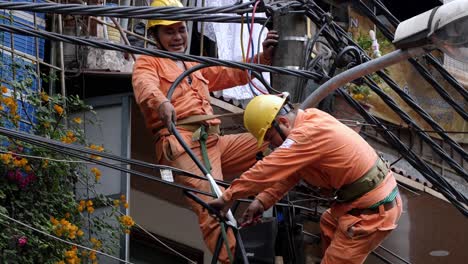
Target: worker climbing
{"type": "Point", "coordinates": [315, 147]}
{"type": "Point", "coordinates": [226, 156]}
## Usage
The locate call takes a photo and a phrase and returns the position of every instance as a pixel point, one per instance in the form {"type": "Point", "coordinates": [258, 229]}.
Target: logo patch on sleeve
{"type": "Point", "coordinates": [287, 143]}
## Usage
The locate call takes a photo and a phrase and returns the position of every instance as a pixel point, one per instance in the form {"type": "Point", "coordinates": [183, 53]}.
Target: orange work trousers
{"type": "Point", "coordinates": [350, 239]}
{"type": "Point", "coordinates": [229, 156]}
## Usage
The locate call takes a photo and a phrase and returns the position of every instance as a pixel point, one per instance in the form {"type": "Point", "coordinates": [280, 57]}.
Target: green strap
{"type": "Point", "coordinates": [387, 199]}
{"type": "Point", "coordinates": [204, 151]}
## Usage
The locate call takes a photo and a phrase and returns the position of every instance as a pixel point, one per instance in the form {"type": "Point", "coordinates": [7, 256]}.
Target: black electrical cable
{"type": "Point", "coordinates": [385, 260]}
{"type": "Point", "coordinates": [439, 182]}
{"type": "Point", "coordinates": [394, 254]}
{"type": "Point", "coordinates": [424, 136]}
{"type": "Point", "coordinates": [423, 114]}
{"type": "Point", "coordinates": [64, 149]}
{"type": "Point", "coordinates": [429, 57]}
{"type": "Point", "coordinates": [448, 77]}
{"type": "Point", "coordinates": [421, 69]}
{"type": "Point", "coordinates": [159, 53]}
{"type": "Point", "coordinates": [188, 150]}
{"type": "Point", "coordinates": [206, 14]}
{"type": "Point", "coordinates": [57, 144]}
{"type": "Point", "coordinates": [408, 99]}
{"type": "Point", "coordinates": [421, 166]}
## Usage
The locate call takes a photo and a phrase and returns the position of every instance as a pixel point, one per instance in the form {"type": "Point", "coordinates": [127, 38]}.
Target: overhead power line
{"type": "Point", "coordinates": [205, 14]}
{"type": "Point", "coordinates": [159, 53]}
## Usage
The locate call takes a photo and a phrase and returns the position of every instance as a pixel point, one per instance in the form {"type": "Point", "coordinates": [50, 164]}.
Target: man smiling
{"type": "Point", "coordinates": [228, 155]}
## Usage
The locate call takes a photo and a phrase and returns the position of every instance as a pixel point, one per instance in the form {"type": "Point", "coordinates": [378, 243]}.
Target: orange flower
{"type": "Point", "coordinates": [77, 120]}
{"type": "Point", "coordinates": [44, 97]}
{"type": "Point", "coordinates": [58, 109]}
{"type": "Point", "coordinates": [4, 89]}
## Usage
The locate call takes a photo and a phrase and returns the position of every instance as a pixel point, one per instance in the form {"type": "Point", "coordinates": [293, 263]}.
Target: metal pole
{"type": "Point", "coordinates": [62, 66]}
{"type": "Point", "coordinates": [122, 34]}
{"type": "Point", "coordinates": [293, 37]}
{"type": "Point", "coordinates": [359, 71]}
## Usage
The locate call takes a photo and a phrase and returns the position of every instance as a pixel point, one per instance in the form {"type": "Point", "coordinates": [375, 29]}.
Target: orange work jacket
{"type": "Point", "coordinates": [152, 78]}
{"type": "Point", "coordinates": [319, 150]}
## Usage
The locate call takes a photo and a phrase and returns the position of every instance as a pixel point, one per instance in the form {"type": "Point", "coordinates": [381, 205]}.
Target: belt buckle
{"type": "Point", "coordinates": [196, 134]}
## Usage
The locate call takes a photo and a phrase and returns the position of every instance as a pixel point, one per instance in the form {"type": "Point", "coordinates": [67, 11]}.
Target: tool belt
{"type": "Point", "coordinates": [371, 179]}
{"type": "Point", "coordinates": [192, 124]}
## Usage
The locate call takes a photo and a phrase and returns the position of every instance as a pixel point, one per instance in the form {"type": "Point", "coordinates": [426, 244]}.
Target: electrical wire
{"type": "Point", "coordinates": [147, 232]}
{"type": "Point", "coordinates": [418, 66]}
{"type": "Point", "coordinates": [250, 43]}
{"type": "Point", "coordinates": [457, 199]}
{"type": "Point", "coordinates": [424, 136]}
{"type": "Point", "coordinates": [70, 150]}
{"type": "Point", "coordinates": [453, 195]}
{"type": "Point", "coordinates": [62, 240]}
{"type": "Point", "coordinates": [51, 159]}
{"type": "Point", "coordinates": [407, 98]}
{"type": "Point", "coordinates": [159, 53]}
{"type": "Point", "coordinates": [429, 57]}
{"type": "Point", "coordinates": [207, 14]}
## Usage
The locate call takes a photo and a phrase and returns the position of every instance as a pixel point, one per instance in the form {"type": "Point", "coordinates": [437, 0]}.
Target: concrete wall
{"type": "Point", "coordinates": [168, 220]}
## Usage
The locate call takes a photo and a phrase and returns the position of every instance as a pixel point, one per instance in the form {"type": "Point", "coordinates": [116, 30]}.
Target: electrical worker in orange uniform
{"type": "Point", "coordinates": [317, 148]}
{"type": "Point", "coordinates": [229, 155]}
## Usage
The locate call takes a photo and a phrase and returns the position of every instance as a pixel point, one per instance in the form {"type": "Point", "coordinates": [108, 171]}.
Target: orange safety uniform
{"type": "Point", "coordinates": [325, 153]}
{"type": "Point", "coordinates": [229, 155]}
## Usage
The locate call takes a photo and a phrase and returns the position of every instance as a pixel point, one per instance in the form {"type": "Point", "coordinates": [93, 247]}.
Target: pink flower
{"type": "Point", "coordinates": [11, 175]}
{"type": "Point", "coordinates": [22, 241]}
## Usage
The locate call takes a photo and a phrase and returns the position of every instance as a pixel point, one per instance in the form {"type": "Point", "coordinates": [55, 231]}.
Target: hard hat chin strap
{"type": "Point", "coordinates": [278, 129]}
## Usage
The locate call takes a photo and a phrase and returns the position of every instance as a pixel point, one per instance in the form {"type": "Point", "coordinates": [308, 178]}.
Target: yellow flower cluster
{"type": "Point", "coordinates": [65, 228]}
{"type": "Point", "coordinates": [97, 173]}
{"type": "Point", "coordinates": [11, 103]}
{"type": "Point", "coordinates": [13, 108]}
{"type": "Point", "coordinates": [71, 256]}
{"type": "Point", "coordinates": [20, 163]}
{"type": "Point", "coordinates": [6, 158]}
{"type": "Point", "coordinates": [358, 96]}
{"type": "Point", "coordinates": [58, 109]}
{"type": "Point", "coordinates": [97, 244]}
{"type": "Point", "coordinates": [69, 138]}
{"type": "Point", "coordinates": [123, 201]}
{"type": "Point", "coordinates": [96, 148]}
{"type": "Point", "coordinates": [44, 97]}
{"type": "Point", "coordinates": [77, 120]}
{"type": "Point", "coordinates": [88, 204]}
{"type": "Point", "coordinates": [127, 222]}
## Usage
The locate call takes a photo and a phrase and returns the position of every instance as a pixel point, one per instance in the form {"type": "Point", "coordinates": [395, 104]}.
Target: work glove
{"type": "Point", "coordinates": [167, 114]}
{"type": "Point", "coordinates": [269, 44]}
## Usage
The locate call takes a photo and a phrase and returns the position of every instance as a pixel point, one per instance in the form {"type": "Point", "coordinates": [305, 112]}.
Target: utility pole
{"type": "Point", "coordinates": [292, 29]}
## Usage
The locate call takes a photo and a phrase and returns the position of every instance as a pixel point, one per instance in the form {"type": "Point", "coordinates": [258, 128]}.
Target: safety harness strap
{"type": "Point", "coordinates": [202, 138]}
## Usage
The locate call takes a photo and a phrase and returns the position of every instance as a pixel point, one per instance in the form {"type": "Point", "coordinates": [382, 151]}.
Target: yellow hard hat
{"type": "Point", "coordinates": [260, 113]}
{"type": "Point", "coordinates": [163, 3]}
